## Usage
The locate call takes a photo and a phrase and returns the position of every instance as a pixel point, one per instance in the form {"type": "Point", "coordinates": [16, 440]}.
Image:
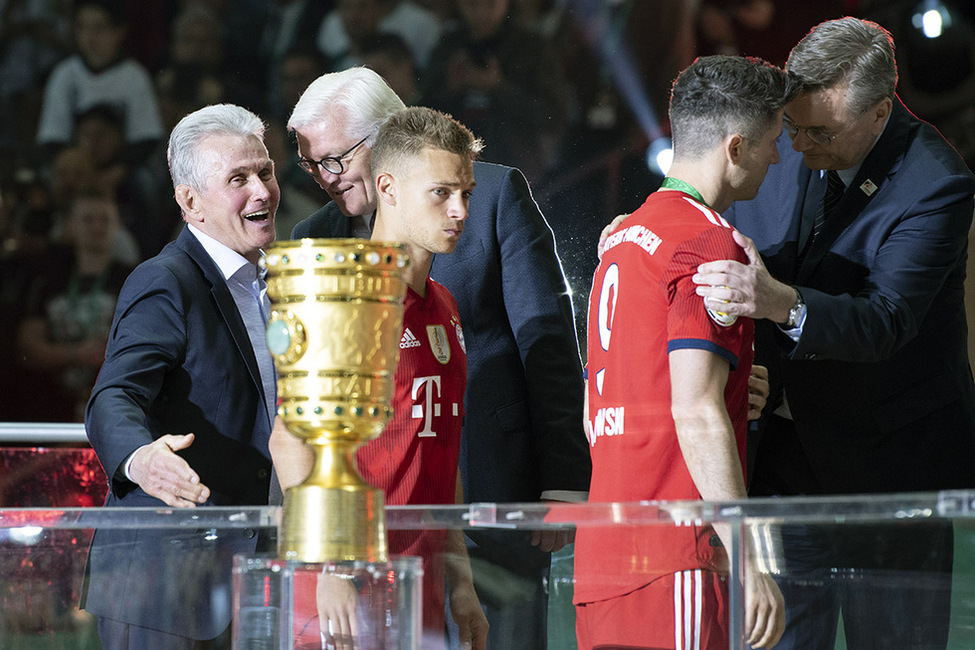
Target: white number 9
{"type": "Point", "coordinates": [607, 304]}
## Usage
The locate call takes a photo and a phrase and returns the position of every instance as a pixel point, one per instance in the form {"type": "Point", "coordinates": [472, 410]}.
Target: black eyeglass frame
{"type": "Point", "coordinates": [309, 165]}
{"type": "Point", "coordinates": [815, 135]}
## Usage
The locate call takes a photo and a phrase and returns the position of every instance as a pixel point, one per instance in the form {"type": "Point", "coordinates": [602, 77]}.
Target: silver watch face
{"type": "Point", "coordinates": [794, 313]}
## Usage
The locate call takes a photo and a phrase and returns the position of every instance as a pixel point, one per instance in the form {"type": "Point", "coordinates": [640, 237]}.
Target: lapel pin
{"type": "Point", "coordinates": [868, 187]}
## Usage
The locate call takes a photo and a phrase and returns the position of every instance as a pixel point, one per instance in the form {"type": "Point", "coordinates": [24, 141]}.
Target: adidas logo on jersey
{"type": "Point", "coordinates": [408, 340]}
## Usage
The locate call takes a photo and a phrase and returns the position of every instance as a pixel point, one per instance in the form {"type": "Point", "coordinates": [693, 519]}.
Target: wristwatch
{"type": "Point", "coordinates": [795, 312]}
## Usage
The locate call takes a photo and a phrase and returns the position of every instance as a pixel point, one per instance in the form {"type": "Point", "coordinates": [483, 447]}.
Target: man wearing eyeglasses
{"type": "Point", "coordinates": [523, 437]}
{"type": "Point", "coordinates": [857, 265]}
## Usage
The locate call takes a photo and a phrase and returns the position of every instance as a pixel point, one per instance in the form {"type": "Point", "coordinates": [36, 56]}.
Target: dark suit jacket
{"type": "Point", "coordinates": [179, 360]}
{"type": "Point", "coordinates": [879, 384]}
{"type": "Point", "coordinates": [523, 431]}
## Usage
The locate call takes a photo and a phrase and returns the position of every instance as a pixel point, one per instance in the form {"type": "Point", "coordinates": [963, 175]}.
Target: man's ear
{"type": "Point", "coordinates": [734, 148]}
{"type": "Point", "coordinates": [386, 188]}
{"type": "Point", "coordinates": [879, 115]}
{"type": "Point", "coordinates": [189, 202]}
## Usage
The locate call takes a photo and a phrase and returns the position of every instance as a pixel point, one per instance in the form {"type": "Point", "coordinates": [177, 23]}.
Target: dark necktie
{"type": "Point", "coordinates": [834, 190]}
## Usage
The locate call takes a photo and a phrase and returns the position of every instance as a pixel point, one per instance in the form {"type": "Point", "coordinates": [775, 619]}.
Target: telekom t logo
{"type": "Point", "coordinates": [428, 409]}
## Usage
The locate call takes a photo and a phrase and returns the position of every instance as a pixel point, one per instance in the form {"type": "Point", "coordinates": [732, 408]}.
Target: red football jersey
{"type": "Point", "coordinates": [415, 459]}
{"type": "Point", "coordinates": [642, 306]}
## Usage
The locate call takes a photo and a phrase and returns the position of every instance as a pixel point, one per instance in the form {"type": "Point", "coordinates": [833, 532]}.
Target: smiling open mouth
{"type": "Point", "coordinates": [258, 216]}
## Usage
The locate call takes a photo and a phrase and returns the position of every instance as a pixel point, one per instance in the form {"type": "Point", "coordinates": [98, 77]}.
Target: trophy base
{"type": "Point", "coordinates": [333, 524]}
{"type": "Point", "coordinates": [276, 604]}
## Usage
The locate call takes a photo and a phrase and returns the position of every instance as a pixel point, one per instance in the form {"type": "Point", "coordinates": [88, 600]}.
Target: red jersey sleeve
{"type": "Point", "coordinates": [691, 323]}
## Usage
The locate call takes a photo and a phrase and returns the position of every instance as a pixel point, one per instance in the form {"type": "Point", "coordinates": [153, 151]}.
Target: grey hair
{"type": "Point", "coordinates": [188, 135]}
{"type": "Point", "coordinates": [718, 96]}
{"type": "Point", "coordinates": [847, 51]}
{"type": "Point", "coordinates": [359, 95]}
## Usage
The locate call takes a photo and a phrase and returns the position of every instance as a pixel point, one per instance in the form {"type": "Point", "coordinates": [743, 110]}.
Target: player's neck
{"type": "Point", "coordinates": [416, 272]}
{"type": "Point", "coordinates": [707, 179]}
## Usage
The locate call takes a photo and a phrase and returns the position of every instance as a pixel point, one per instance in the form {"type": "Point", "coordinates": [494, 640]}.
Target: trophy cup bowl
{"type": "Point", "coordinates": [334, 330]}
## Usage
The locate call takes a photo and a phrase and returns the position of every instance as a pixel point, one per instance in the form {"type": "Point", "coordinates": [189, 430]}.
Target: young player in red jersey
{"type": "Point", "coordinates": [422, 169]}
{"type": "Point", "coordinates": [668, 378]}
{"type": "Point", "coordinates": [422, 165]}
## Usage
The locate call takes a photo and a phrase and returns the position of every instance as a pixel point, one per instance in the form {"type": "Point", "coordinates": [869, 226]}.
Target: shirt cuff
{"type": "Point", "coordinates": [571, 496]}
{"type": "Point", "coordinates": [127, 464]}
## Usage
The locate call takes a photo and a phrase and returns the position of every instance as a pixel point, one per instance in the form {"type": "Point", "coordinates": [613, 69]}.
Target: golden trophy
{"type": "Point", "coordinates": [334, 331]}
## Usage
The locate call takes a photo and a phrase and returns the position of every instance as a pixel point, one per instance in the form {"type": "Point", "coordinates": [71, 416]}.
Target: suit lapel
{"type": "Point", "coordinates": [881, 164]}
{"type": "Point", "coordinates": [225, 303]}
{"type": "Point", "coordinates": [337, 224]}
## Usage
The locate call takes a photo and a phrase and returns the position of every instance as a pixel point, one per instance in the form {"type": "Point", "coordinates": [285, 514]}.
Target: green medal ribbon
{"type": "Point", "coordinates": [685, 187]}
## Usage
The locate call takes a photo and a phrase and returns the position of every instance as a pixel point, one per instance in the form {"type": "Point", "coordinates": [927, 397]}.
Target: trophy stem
{"type": "Point", "coordinates": [334, 465]}
{"type": "Point", "coordinates": [333, 515]}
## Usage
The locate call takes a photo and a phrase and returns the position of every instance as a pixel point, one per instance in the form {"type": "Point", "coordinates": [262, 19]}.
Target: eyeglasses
{"type": "Point", "coordinates": [331, 164]}
{"type": "Point", "coordinates": [817, 136]}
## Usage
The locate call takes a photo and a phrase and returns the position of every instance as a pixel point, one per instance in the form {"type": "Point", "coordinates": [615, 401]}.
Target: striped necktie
{"type": "Point", "coordinates": [834, 191]}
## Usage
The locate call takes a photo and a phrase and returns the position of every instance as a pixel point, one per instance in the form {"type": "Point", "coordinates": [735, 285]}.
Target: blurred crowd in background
{"type": "Point", "coordinates": [569, 91]}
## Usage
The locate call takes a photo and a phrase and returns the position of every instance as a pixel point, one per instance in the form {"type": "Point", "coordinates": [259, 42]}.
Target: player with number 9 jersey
{"type": "Point", "coordinates": [642, 307]}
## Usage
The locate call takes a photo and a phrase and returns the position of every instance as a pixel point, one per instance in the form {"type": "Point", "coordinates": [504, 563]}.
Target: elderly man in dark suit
{"type": "Point", "coordinates": [857, 268]}
{"type": "Point", "coordinates": [523, 437]}
{"type": "Point", "coordinates": [181, 412]}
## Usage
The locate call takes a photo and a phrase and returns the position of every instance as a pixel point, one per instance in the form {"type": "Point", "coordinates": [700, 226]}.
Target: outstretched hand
{"type": "Point", "coordinates": [161, 473]}
{"type": "Point", "coordinates": [744, 289]}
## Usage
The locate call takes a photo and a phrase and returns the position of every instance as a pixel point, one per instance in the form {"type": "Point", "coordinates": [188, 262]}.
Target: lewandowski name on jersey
{"type": "Point", "coordinates": [608, 422]}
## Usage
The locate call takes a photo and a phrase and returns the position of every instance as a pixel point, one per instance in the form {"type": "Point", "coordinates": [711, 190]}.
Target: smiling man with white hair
{"type": "Point", "coordinates": [181, 413]}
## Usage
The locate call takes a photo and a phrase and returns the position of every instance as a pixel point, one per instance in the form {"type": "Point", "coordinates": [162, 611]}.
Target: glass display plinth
{"type": "Point", "coordinates": [285, 605]}
{"type": "Point", "coordinates": [862, 546]}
